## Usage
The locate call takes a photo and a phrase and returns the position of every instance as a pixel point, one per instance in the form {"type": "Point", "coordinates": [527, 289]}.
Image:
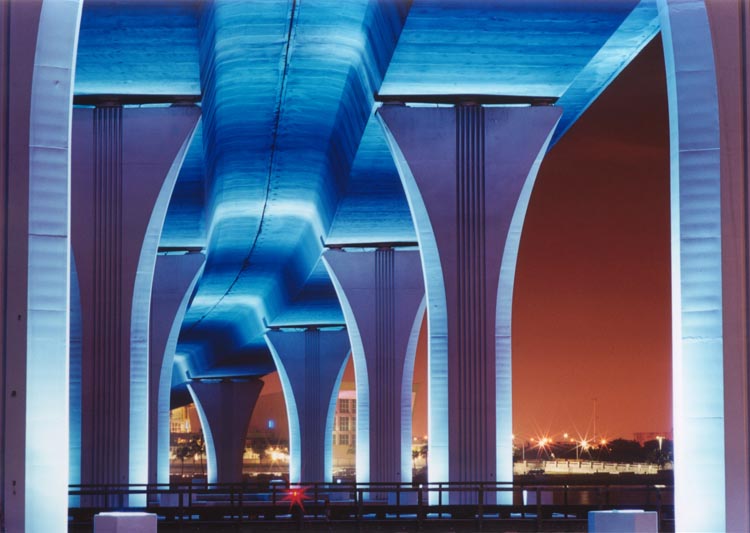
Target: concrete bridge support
{"type": "Point", "coordinates": [125, 163]}
{"type": "Point", "coordinates": [382, 295]}
{"type": "Point", "coordinates": [175, 277]}
{"type": "Point", "coordinates": [706, 54]}
{"type": "Point", "coordinates": [225, 407]}
{"type": "Point", "coordinates": [310, 365]}
{"type": "Point", "coordinates": [37, 68]}
{"type": "Point", "coordinates": [468, 172]}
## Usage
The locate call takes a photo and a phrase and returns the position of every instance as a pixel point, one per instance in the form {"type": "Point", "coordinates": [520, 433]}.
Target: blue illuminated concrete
{"type": "Point", "coordinates": [138, 48]}
{"type": "Point", "coordinates": [635, 32]}
{"type": "Point", "coordinates": [185, 223]}
{"type": "Point", "coordinates": [175, 277]}
{"type": "Point", "coordinates": [290, 151]}
{"type": "Point", "coordinates": [48, 260]}
{"type": "Point", "coordinates": [125, 163]}
{"type": "Point", "coordinates": [382, 296]}
{"type": "Point", "coordinates": [453, 47]}
{"type": "Point", "coordinates": [75, 413]}
{"type": "Point", "coordinates": [225, 408]}
{"type": "Point", "coordinates": [468, 172]}
{"type": "Point", "coordinates": [310, 364]}
{"type": "Point", "coordinates": [38, 57]}
{"type": "Point", "coordinates": [697, 322]}
{"type": "Point", "coordinates": [276, 162]}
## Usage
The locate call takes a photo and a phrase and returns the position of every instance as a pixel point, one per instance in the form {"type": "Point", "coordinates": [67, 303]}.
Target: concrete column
{"type": "Point", "coordinates": [37, 58]}
{"type": "Point", "coordinates": [382, 296]}
{"type": "Point", "coordinates": [468, 172]}
{"type": "Point", "coordinates": [225, 408]}
{"type": "Point", "coordinates": [310, 365]}
{"type": "Point", "coordinates": [125, 163]}
{"type": "Point", "coordinates": [730, 27]}
{"type": "Point", "coordinates": [706, 52]}
{"type": "Point", "coordinates": [175, 277]}
{"type": "Point", "coordinates": [698, 351]}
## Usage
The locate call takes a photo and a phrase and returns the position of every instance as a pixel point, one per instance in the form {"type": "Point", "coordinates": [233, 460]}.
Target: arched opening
{"type": "Point", "coordinates": [344, 436]}
{"type": "Point", "coordinates": [592, 302]}
{"type": "Point", "coordinates": [267, 443]}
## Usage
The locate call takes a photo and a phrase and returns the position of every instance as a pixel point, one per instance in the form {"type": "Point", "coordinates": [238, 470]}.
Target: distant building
{"type": "Point", "coordinates": [184, 420]}
{"type": "Point", "coordinates": [345, 428]}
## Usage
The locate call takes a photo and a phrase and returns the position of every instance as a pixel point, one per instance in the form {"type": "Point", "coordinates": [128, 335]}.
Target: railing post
{"type": "Point", "coordinates": [231, 497]}
{"type": "Point", "coordinates": [481, 505]}
{"type": "Point", "coordinates": [659, 508]}
{"type": "Point", "coordinates": [398, 501]}
{"type": "Point", "coordinates": [190, 500]}
{"type": "Point", "coordinates": [359, 505]}
{"type": "Point", "coordinates": [538, 509]}
{"type": "Point", "coordinates": [180, 502]}
{"type": "Point", "coordinates": [440, 500]}
{"type": "Point", "coordinates": [240, 498]}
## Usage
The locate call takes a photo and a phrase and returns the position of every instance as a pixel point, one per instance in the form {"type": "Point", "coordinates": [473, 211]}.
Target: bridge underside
{"type": "Point", "coordinates": [364, 126]}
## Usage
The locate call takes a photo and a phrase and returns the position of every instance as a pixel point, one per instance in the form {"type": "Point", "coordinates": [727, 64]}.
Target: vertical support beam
{"type": "Point", "coordinates": [697, 317]}
{"type": "Point", "coordinates": [730, 32]}
{"type": "Point", "coordinates": [485, 160]}
{"type": "Point", "coordinates": [125, 163]}
{"type": "Point", "coordinates": [382, 297]}
{"type": "Point", "coordinates": [37, 66]}
{"type": "Point", "coordinates": [225, 408]}
{"type": "Point", "coordinates": [175, 277]}
{"type": "Point", "coordinates": [310, 364]}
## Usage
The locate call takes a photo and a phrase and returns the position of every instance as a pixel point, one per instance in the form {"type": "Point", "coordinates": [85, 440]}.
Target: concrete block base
{"type": "Point", "coordinates": [623, 522]}
{"type": "Point", "coordinates": [125, 523]}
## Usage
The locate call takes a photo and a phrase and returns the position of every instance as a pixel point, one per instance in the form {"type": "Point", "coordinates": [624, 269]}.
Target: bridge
{"type": "Point", "coordinates": [199, 193]}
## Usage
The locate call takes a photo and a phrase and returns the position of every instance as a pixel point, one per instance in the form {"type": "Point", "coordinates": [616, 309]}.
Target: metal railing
{"type": "Point", "coordinates": [362, 502]}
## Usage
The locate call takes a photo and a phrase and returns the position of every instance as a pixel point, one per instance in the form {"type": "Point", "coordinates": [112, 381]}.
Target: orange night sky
{"type": "Point", "coordinates": [591, 310]}
{"type": "Point", "coordinates": [591, 314]}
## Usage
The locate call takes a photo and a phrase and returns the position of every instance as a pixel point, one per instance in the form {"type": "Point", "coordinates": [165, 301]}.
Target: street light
{"type": "Point", "coordinates": [523, 448]}
{"type": "Point", "coordinates": [583, 445]}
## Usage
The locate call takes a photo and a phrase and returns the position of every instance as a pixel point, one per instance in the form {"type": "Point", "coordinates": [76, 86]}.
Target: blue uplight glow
{"type": "Point", "coordinates": [295, 453]}
{"type": "Point", "coordinates": [503, 319]}
{"type": "Point", "coordinates": [208, 437]}
{"type": "Point", "coordinates": [362, 384]}
{"type": "Point", "coordinates": [139, 330]}
{"type": "Point", "coordinates": [697, 321]}
{"type": "Point", "coordinates": [48, 294]}
{"type": "Point", "coordinates": [437, 324]}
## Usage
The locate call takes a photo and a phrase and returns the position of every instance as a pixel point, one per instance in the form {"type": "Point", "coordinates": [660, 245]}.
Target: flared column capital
{"type": "Point", "coordinates": [382, 297]}
{"type": "Point", "coordinates": [310, 365]}
{"type": "Point", "coordinates": [225, 407]}
{"type": "Point", "coordinates": [468, 172]}
{"type": "Point", "coordinates": [175, 277]}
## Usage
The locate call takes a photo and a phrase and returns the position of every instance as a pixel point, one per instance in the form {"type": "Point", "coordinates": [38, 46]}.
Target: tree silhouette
{"type": "Point", "coordinates": [198, 447]}
{"type": "Point", "coordinates": [182, 453]}
{"type": "Point", "coordinates": [623, 451]}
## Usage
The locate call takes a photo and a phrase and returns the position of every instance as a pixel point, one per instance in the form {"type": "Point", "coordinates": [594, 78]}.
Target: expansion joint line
{"type": "Point", "coordinates": [271, 160]}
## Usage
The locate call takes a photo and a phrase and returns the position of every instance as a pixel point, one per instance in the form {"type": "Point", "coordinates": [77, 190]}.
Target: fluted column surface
{"type": "Point", "coordinates": [468, 173]}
